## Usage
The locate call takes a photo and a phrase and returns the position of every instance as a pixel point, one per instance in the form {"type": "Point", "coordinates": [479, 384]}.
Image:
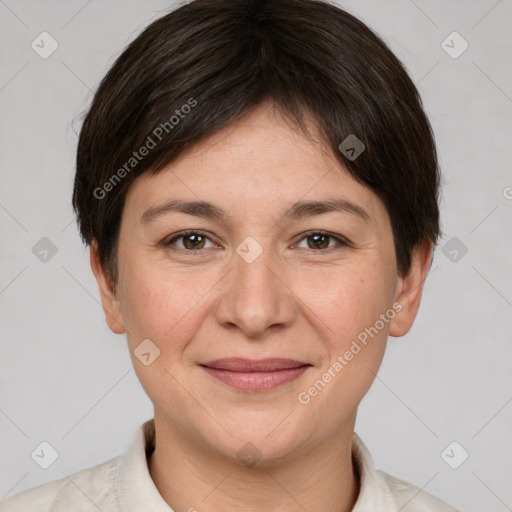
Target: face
{"type": "Point", "coordinates": [256, 277]}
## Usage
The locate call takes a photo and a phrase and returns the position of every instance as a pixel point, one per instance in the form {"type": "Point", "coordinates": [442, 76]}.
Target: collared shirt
{"type": "Point", "coordinates": [124, 484]}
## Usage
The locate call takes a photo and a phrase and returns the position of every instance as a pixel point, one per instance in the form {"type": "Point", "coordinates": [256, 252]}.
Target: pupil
{"type": "Point", "coordinates": [318, 238]}
{"type": "Point", "coordinates": [191, 239]}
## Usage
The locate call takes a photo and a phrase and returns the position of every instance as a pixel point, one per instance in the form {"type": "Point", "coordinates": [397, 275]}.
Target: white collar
{"type": "Point", "coordinates": [137, 491]}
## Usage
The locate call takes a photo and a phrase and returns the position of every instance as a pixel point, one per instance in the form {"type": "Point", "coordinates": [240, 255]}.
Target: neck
{"type": "Point", "coordinates": [190, 477]}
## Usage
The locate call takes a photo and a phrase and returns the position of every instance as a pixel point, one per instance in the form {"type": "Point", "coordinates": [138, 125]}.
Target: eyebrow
{"type": "Point", "coordinates": [297, 211]}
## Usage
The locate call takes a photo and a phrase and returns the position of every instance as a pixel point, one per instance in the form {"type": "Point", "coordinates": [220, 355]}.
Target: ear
{"type": "Point", "coordinates": [110, 302]}
{"type": "Point", "coordinates": [409, 290]}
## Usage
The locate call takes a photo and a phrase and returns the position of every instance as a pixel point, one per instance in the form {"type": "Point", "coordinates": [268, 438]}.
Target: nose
{"type": "Point", "coordinates": [256, 296]}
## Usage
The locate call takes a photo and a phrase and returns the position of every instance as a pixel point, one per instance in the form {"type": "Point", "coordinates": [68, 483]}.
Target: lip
{"type": "Point", "coordinates": [255, 375]}
{"type": "Point", "coordinates": [238, 364]}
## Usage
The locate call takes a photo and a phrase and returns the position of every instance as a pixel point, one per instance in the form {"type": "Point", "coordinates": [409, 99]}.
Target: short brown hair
{"type": "Point", "coordinates": [202, 66]}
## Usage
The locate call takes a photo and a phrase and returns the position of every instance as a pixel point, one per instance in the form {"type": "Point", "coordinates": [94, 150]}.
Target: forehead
{"type": "Point", "coordinates": [259, 164]}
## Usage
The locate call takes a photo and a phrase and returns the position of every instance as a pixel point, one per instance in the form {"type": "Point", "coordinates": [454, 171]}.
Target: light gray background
{"type": "Point", "coordinates": [66, 379]}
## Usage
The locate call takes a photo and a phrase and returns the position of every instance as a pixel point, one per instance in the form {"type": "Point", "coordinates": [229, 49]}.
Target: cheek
{"type": "Point", "coordinates": [165, 311]}
{"type": "Point", "coordinates": [346, 307]}
{"type": "Point", "coordinates": [167, 305]}
{"type": "Point", "coordinates": [344, 301]}
{"type": "Point", "coordinates": [346, 316]}
{"type": "Point", "coordinates": [162, 306]}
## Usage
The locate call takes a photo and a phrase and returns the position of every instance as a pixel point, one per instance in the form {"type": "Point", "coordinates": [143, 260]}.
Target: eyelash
{"type": "Point", "coordinates": [342, 242]}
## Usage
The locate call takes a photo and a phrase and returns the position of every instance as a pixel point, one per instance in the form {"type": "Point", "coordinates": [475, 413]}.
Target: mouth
{"type": "Point", "coordinates": [255, 375]}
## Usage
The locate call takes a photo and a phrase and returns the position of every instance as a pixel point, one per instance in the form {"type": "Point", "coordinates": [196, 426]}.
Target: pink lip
{"type": "Point", "coordinates": [255, 375]}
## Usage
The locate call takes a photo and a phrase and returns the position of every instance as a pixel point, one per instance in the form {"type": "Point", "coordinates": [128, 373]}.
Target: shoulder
{"type": "Point", "coordinates": [381, 491]}
{"type": "Point", "coordinates": [90, 488]}
{"type": "Point", "coordinates": [411, 498]}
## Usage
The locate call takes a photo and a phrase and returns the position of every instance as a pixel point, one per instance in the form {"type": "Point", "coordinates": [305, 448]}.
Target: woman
{"type": "Point", "coordinates": [258, 185]}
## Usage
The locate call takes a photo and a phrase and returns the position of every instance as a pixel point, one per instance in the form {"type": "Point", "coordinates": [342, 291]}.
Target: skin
{"type": "Point", "coordinates": [294, 301]}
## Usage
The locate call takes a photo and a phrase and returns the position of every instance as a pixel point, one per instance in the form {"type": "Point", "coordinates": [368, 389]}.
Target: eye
{"type": "Point", "coordinates": [319, 240]}
{"type": "Point", "coordinates": [192, 241]}
{"type": "Point", "coordinates": [195, 241]}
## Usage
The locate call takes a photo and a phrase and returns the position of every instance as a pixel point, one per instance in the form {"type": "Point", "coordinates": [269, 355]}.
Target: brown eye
{"type": "Point", "coordinates": [191, 241]}
{"type": "Point", "coordinates": [319, 241]}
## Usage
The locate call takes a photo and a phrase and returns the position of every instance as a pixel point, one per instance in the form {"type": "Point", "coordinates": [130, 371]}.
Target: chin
{"type": "Point", "coordinates": [252, 445]}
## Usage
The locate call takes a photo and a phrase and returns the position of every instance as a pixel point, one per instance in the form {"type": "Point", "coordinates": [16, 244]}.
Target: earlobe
{"type": "Point", "coordinates": [410, 288]}
{"type": "Point", "coordinates": [109, 300]}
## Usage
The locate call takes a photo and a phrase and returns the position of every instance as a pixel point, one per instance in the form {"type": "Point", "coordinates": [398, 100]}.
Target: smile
{"type": "Point", "coordinates": [252, 375]}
